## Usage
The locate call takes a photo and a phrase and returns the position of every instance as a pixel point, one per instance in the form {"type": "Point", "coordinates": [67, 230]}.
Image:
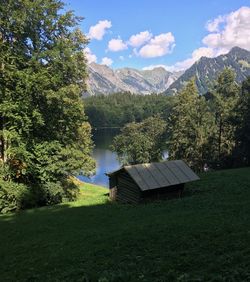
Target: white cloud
{"type": "Point", "coordinates": [213, 25]}
{"type": "Point", "coordinates": [226, 32]}
{"type": "Point", "coordinates": [196, 55]}
{"type": "Point", "coordinates": [151, 67]}
{"type": "Point", "coordinates": [139, 39]}
{"type": "Point", "coordinates": [90, 56]}
{"type": "Point", "coordinates": [107, 61]}
{"type": "Point", "coordinates": [235, 31]}
{"type": "Point", "coordinates": [121, 58]}
{"type": "Point", "coordinates": [182, 65]}
{"type": "Point", "coordinates": [97, 31]}
{"type": "Point", "coordinates": [158, 46]}
{"type": "Point", "coordinates": [116, 45]}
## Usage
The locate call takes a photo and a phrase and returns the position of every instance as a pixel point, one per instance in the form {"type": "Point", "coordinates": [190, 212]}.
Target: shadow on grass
{"type": "Point", "coordinates": [203, 237]}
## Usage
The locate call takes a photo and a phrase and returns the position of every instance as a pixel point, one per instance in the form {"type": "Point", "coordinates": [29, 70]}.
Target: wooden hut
{"type": "Point", "coordinates": [143, 182]}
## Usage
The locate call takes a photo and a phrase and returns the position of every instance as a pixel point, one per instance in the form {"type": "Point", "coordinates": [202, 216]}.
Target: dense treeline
{"type": "Point", "coordinates": [211, 131]}
{"type": "Point", "coordinates": [118, 109]}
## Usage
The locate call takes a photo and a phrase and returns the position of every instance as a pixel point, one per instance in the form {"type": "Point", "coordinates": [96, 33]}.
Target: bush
{"type": "Point", "coordinates": [56, 192]}
{"type": "Point", "coordinates": [13, 196]}
{"type": "Point", "coordinates": [16, 196]}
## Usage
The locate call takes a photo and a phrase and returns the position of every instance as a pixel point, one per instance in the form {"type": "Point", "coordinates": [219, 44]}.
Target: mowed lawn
{"type": "Point", "coordinates": [205, 236]}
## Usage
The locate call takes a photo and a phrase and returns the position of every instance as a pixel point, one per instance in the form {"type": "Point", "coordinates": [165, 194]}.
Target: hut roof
{"type": "Point", "coordinates": [156, 175]}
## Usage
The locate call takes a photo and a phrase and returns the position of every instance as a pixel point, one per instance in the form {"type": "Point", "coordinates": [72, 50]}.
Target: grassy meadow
{"type": "Point", "coordinates": [205, 236]}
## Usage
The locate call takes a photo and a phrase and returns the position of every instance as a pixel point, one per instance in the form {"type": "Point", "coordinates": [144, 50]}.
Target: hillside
{"type": "Point", "coordinates": [206, 70]}
{"type": "Point", "coordinates": [204, 236]}
{"type": "Point", "coordinates": [104, 80]}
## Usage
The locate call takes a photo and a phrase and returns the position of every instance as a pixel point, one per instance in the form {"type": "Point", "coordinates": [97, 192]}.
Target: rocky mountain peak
{"type": "Point", "coordinates": [206, 70]}
{"type": "Point", "coordinates": [103, 79]}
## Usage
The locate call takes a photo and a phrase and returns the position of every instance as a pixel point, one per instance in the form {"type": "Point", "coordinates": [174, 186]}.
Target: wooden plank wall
{"type": "Point", "coordinates": [127, 190]}
{"type": "Point", "coordinates": [113, 193]}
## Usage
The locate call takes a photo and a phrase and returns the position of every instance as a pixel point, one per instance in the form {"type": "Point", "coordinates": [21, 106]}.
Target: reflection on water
{"type": "Point", "coordinates": [106, 160]}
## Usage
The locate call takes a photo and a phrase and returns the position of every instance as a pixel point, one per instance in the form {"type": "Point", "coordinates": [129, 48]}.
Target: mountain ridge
{"type": "Point", "coordinates": [206, 70]}
{"type": "Point", "coordinates": [104, 80]}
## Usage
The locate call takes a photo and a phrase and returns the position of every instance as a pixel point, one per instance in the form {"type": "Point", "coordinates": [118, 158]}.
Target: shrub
{"type": "Point", "coordinates": [16, 196]}
{"type": "Point", "coordinates": [13, 196]}
{"type": "Point", "coordinates": [52, 193]}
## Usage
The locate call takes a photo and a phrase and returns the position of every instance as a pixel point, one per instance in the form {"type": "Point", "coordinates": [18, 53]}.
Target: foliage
{"type": "Point", "coordinates": [116, 110]}
{"type": "Point", "coordinates": [201, 237]}
{"type": "Point", "coordinates": [44, 135]}
{"type": "Point", "coordinates": [52, 193]}
{"type": "Point", "coordinates": [16, 196]}
{"type": "Point", "coordinates": [12, 196]}
{"type": "Point", "coordinates": [141, 142]}
{"type": "Point", "coordinates": [224, 102]}
{"type": "Point", "coordinates": [191, 128]}
{"type": "Point", "coordinates": [242, 134]}
{"type": "Point", "coordinates": [211, 129]}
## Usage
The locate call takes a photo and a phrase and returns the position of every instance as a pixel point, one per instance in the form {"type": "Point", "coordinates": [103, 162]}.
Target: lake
{"type": "Point", "coordinates": [106, 160]}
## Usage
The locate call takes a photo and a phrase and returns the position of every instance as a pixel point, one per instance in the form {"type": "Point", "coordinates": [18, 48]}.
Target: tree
{"type": "Point", "coordinates": [242, 134]}
{"type": "Point", "coordinates": [141, 142]}
{"type": "Point", "coordinates": [191, 128]}
{"type": "Point", "coordinates": [224, 101]}
{"type": "Point", "coordinates": [44, 134]}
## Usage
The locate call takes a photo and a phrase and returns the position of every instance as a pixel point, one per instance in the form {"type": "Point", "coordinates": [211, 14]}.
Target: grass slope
{"type": "Point", "coordinates": [203, 237]}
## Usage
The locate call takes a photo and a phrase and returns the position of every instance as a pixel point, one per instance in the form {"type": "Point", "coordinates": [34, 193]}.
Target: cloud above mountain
{"type": "Point", "coordinates": [139, 39]}
{"type": "Point", "coordinates": [106, 61]}
{"type": "Point", "coordinates": [229, 31]}
{"type": "Point", "coordinates": [158, 46]}
{"type": "Point", "coordinates": [90, 56]}
{"type": "Point", "coordinates": [225, 32]}
{"type": "Point", "coordinates": [116, 45]}
{"type": "Point", "coordinates": [97, 31]}
{"type": "Point", "coordinates": [149, 46]}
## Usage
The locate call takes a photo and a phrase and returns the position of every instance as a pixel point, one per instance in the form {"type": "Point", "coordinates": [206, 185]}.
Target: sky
{"type": "Point", "coordinates": [144, 34]}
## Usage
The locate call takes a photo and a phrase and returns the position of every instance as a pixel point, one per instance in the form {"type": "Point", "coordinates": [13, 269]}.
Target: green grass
{"type": "Point", "coordinates": [204, 236]}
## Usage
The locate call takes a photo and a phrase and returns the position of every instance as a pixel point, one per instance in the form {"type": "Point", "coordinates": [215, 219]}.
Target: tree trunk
{"type": "Point", "coordinates": [2, 143]}
{"type": "Point", "coordinates": [219, 141]}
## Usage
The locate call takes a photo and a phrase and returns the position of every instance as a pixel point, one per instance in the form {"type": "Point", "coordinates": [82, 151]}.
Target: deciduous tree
{"type": "Point", "coordinates": [44, 135]}
{"type": "Point", "coordinates": [141, 142]}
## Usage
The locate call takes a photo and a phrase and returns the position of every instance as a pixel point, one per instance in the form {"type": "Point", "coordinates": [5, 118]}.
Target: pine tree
{"type": "Point", "coordinates": [242, 135]}
{"type": "Point", "coordinates": [191, 128]}
{"type": "Point", "coordinates": [225, 98]}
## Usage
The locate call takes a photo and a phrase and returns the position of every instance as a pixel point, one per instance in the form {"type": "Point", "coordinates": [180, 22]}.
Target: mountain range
{"type": "Point", "coordinates": [105, 80]}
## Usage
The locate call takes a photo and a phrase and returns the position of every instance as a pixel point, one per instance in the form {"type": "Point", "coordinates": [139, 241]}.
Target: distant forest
{"type": "Point", "coordinates": [118, 109]}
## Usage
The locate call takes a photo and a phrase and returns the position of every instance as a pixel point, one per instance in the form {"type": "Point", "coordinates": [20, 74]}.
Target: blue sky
{"type": "Point", "coordinates": [169, 33]}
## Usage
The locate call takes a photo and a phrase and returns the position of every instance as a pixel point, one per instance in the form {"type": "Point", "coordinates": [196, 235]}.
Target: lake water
{"type": "Point", "coordinates": [106, 160]}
